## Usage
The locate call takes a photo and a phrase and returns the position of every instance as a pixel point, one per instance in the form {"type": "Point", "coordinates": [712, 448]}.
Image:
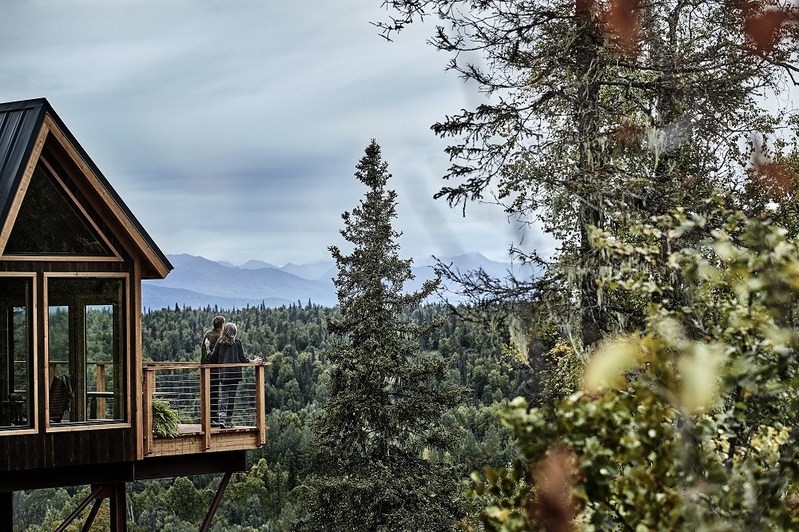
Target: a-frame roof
{"type": "Point", "coordinates": [23, 128]}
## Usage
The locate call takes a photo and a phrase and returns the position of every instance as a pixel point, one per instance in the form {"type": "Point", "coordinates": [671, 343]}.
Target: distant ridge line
{"type": "Point", "coordinates": [198, 282]}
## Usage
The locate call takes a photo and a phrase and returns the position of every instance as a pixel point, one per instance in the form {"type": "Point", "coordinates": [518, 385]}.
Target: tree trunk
{"type": "Point", "coordinates": [587, 45]}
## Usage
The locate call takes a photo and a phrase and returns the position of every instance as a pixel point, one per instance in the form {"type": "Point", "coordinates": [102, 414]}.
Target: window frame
{"type": "Point", "coordinates": [126, 360]}
{"type": "Point", "coordinates": [34, 391]}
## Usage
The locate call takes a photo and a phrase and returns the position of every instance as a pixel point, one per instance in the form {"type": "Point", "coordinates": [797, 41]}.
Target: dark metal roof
{"type": "Point", "coordinates": [20, 123]}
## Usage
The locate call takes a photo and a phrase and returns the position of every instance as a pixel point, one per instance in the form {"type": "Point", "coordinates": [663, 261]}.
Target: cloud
{"type": "Point", "coordinates": [232, 128]}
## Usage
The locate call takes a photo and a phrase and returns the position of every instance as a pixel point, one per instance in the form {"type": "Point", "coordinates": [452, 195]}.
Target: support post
{"type": "Point", "coordinates": [119, 514]}
{"type": "Point", "coordinates": [205, 405]}
{"type": "Point", "coordinates": [260, 402]}
{"type": "Point", "coordinates": [7, 510]}
{"type": "Point", "coordinates": [100, 379]}
{"type": "Point", "coordinates": [147, 407]}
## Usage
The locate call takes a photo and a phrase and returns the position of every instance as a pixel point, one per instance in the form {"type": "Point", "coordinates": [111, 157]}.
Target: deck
{"type": "Point", "coordinates": [186, 388]}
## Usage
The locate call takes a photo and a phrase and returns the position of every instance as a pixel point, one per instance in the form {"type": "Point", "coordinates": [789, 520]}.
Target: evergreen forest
{"type": "Point", "coordinates": [295, 340]}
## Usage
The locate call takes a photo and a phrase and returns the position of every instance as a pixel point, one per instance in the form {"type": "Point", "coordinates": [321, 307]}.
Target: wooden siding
{"type": "Point", "coordinates": [74, 444]}
{"type": "Point", "coordinates": [62, 449]}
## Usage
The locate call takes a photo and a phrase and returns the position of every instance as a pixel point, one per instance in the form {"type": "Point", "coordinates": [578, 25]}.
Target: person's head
{"type": "Point", "coordinates": [229, 333]}
{"type": "Point", "coordinates": [219, 321]}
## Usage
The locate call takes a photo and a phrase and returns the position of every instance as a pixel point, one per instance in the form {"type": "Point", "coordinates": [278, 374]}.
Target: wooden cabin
{"type": "Point", "coordinates": [75, 395]}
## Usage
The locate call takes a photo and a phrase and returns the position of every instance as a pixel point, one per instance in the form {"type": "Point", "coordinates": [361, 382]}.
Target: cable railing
{"type": "Point", "coordinates": [188, 389]}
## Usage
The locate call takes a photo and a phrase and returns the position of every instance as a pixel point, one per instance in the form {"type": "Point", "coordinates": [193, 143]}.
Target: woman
{"type": "Point", "coordinates": [228, 350]}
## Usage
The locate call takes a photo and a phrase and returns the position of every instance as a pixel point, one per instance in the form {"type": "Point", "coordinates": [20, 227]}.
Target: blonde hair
{"type": "Point", "coordinates": [228, 333]}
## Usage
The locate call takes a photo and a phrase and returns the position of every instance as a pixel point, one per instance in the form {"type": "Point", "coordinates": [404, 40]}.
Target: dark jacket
{"type": "Point", "coordinates": [228, 354]}
{"type": "Point", "coordinates": [205, 350]}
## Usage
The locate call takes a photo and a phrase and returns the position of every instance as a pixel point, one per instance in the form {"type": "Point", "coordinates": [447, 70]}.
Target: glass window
{"type": "Point", "coordinates": [16, 353]}
{"type": "Point", "coordinates": [64, 231]}
{"type": "Point", "coordinates": [85, 329]}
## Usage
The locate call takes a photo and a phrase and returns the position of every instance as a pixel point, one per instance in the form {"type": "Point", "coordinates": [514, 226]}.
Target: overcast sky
{"type": "Point", "coordinates": [268, 103]}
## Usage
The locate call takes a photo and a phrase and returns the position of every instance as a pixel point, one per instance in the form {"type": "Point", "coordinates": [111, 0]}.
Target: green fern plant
{"type": "Point", "coordinates": [165, 420]}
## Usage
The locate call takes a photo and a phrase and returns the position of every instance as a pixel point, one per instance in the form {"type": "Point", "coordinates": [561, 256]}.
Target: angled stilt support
{"type": "Point", "coordinates": [215, 504]}
{"type": "Point", "coordinates": [92, 514]}
{"type": "Point", "coordinates": [115, 493]}
{"type": "Point", "coordinates": [96, 494]}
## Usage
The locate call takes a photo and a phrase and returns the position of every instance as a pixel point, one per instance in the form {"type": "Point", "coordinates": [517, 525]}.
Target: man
{"type": "Point", "coordinates": [206, 348]}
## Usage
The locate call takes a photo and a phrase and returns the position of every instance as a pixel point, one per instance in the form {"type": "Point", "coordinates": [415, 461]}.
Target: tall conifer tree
{"type": "Point", "coordinates": [379, 439]}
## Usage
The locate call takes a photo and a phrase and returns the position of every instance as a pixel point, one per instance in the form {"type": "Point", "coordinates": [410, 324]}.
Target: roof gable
{"type": "Point", "coordinates": [65, 232]}
{"type": "Point", "coordinates": [26, 127]}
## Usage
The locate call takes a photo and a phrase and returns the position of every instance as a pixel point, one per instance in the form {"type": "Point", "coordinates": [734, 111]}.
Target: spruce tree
{"type": "Point", "coordinates": [380, 464]}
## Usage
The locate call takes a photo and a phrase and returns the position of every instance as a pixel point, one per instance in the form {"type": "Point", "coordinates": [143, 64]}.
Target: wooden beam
{"type": "Point", "coordinates": [260, 403]}
{"type": "Point", "coordinates": [147, 407]}
{"type": "Point", "coordinates": [119, 514]}
{"type": "Point", "coordinates": [77, 359]}
{"type": "Point", "coordinates": [7, 510]}
{"type": "Point", "coordinates": [53, 477]}
{"type": "Point", "coordinates": [44, 340]}
{"type": "Point", "coordinates": [205, 405]}
{"type": "Point", "coordinates": [185, 465]}
{"type": "Point", "coordinates": [99, 379]}
{"type": "Point", "coordinates": [134, 339]}
{"type": "Point", "coordinates": [124, 472]}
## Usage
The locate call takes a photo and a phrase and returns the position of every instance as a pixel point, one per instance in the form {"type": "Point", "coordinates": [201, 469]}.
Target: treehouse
{"type": "Point", "coordinates": [76, 398]}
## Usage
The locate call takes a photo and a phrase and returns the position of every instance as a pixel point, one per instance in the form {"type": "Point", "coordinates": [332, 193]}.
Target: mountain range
{"type": "Point", "coordinates": [199, 282]}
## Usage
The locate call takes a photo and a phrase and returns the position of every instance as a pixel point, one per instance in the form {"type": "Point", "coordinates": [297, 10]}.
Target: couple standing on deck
{"type": "Point", "coordinates": [220, 346]}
